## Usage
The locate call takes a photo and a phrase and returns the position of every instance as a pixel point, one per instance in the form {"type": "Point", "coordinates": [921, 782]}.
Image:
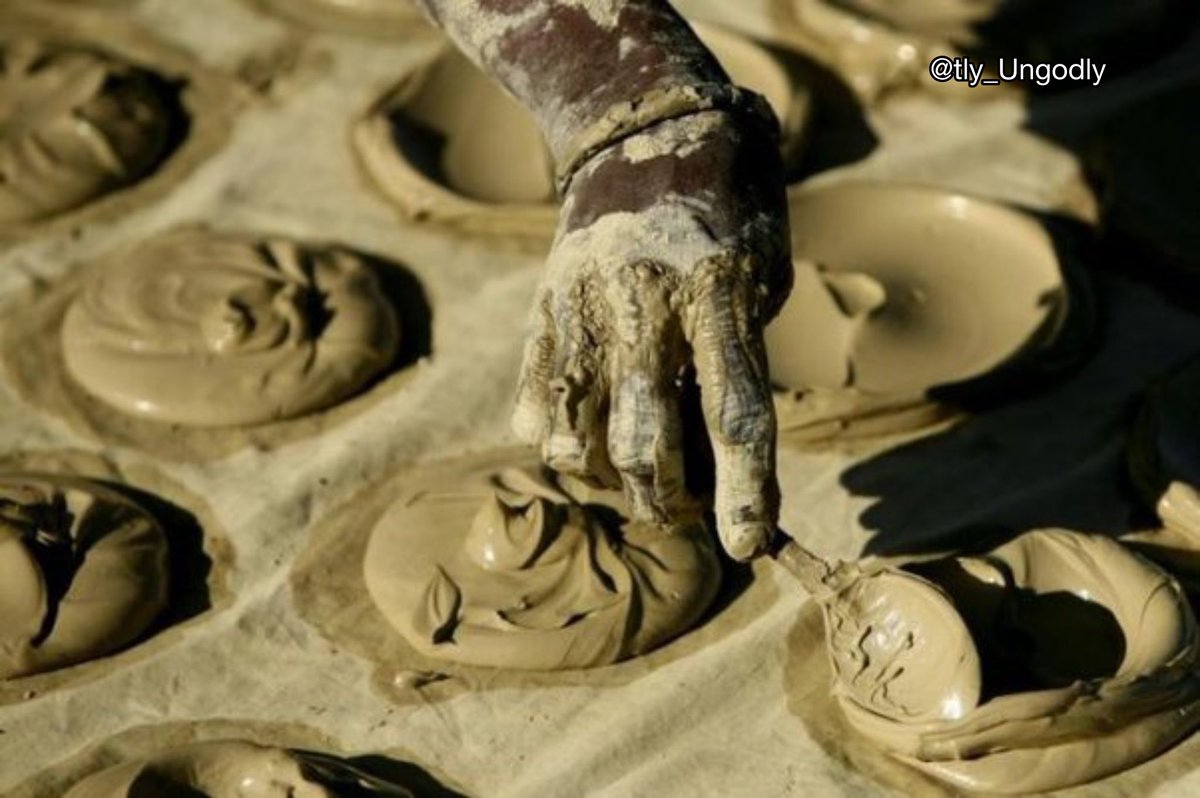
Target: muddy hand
{"type": "Point", "coordinates": [672, 252]}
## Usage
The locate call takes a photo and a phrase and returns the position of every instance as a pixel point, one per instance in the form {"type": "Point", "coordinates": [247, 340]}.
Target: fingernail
{"type": "Point", "coordinates": [743, 541]}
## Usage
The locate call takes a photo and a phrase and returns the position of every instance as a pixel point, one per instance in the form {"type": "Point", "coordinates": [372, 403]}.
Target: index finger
{"type": "Point", "coordinates": [725, 331]}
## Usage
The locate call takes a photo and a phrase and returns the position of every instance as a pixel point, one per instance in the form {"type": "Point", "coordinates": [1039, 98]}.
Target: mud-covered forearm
{"type": "Point", "coordinates": [571, 61]}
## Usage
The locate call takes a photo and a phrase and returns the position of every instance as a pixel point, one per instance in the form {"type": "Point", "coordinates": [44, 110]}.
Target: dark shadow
{"type": "Point", "coordinates": [699, 463]}
{"type": "Point", "coordinates": [419, 144]}
{"type": "Point", "coordinates": [180, 123]}
{"type": "Point", "coordinates": [838, 133]}
{"type": "Point", "coordinates": [1028, 640]}
{"type": "Point", "coordinates": [406, 295]}
{"type": "Point", "coordinates": [188, 564]}
{"type": "Point", "coordinates": [177, 125]}
{"type": "Point", "coordinates": [412, 776]}
{"type": "Point", "coordinates": [736, 579]}
{"type": "Point", "coordinates": [152, 784]}
{"type": "Point", "coordinates": [1122, 34]}
{"type": "Point", "coordinates": [1135, 136]}
{"type": "Point", "coordinates": [1144, 165]}
{"type": "Point", "coordinates": [345, 777]}
{"type": "Point", "coordinates": [1054, 457]}
{"type": "Point", "coordinates": [1046, 452]}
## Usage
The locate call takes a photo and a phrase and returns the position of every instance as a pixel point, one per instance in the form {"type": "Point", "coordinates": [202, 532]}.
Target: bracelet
{"type": "Point", "coordinates": [631, 117]}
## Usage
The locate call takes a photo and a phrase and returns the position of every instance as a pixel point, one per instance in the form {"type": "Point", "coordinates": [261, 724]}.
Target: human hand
{"type": "Point", "coordinates": [672, 253]}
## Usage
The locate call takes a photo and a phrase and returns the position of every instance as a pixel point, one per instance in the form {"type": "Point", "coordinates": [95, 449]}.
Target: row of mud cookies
{"type": "Point", "coordinates": [191, 344]}
{"type": "Point", "coordinates": [488, 572]}
{"type": "Point", "coordinates": [173, 345]}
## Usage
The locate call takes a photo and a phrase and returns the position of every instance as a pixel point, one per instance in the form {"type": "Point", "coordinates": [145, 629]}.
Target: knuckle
{"type": "Point", "coordinates": [744, 421]}
{"type": "Point", "coordinates": [629, 451]}
{"type": "Point", "coordinates": [632, 462]}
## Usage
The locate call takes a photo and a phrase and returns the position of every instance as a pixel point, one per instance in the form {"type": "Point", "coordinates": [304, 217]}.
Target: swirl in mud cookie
{"type": "Point", "coordinates": [214, 330]}
{"type": "Point", "coordinates": [508, 568]}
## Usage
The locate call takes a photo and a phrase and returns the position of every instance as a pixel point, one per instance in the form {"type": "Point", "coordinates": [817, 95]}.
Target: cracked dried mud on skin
{"type": "Point", "coordinates": [684, 268]}
{"type": "Point", "coordinates": [704, 228]}
{"type": "Point", "coordinates": [641, 44]}
{"type": "Point", "coordinates": [487, 167]}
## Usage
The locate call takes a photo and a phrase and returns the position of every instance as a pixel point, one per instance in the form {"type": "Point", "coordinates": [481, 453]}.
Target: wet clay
{"type": "Point", "coordinates": [874, 59]}
{"type": "Point", "coordinates": [328, 585]}
{"type": "Point", "coordinates": [899, 291]}
{"type": "Point", "coordinates": [233, 768]}
{"type": "Point", "coordinates": [74, 125]}
{"type": "Point", "coordinates": [954, 20]}
{"type": "Point", "coordinates": [199, 555]}
{"type": "Point", "coordinates": [83, 572]}
{"type": "Point", "coordinates": [1179, 509]}
{"type": "Point", "coordinates": [519, 569]}
{"type": "Point", "coordinates": [1175, 542]}
{"type": "Point", "coordinates": [1144, 160]}
{"type": "Point", "coordinates": [157, 114]}
{"type": "Point", "coordinates": [1080, 661]}
{"type": "Point", "coordinates": [210, 330]}
{"type": "Point", "coordinates": [382, 18]}
{"type": "Point", "coordinates": [448, 144]}
{"type": "Point", "coordinates": [197, 758]}
{"type": "Point", "coordinates": [1164, 462]}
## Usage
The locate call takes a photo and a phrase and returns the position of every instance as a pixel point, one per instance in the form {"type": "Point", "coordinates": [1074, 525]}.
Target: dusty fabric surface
{"type": "Point", "coordinates": [741, 708]}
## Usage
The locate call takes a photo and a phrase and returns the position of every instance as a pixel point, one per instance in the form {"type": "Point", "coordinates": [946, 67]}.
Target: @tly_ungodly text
{"type": "Point", "coordinates": [975, 71]}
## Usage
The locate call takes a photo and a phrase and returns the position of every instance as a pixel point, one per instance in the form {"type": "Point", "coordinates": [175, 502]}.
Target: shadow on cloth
{"type": "Point", "coordinates": [1054, 458]}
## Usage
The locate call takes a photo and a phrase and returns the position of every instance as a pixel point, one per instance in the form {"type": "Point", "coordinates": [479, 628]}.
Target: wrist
{"type": "Point", "coordinates": [645, 113]}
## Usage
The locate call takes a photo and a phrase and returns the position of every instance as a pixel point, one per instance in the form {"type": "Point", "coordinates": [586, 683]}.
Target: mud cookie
{"type": "Point", "coordinates": [228, 768]}
{"type": "Point", "coordinates": [900, 291]}
{"type": "Point", "coordinates": [1085, 653]}
{"type": "Point", "coordinates": [514, 569]}
{"type": "Point", "coordinates": [75, 125]}
{"type": "Point", "coordinates": [83, 572]}
{"type": "Point", "coordinates": [215, 330]}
